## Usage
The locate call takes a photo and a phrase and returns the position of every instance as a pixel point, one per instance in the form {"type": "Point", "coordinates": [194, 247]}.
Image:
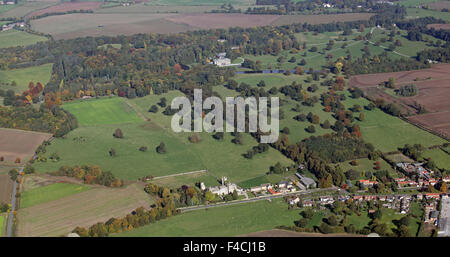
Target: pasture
{"type": "Point", "coordinates": [49, 193]}
{"type": "Point", "coordinates": [22, 9]}
{"type": "Point", "coordinates": [102, 111]}
{"type": "Point", "coordinates": [188, 179]}
{"type": "Point", "coordinates": [11, 38]}
{"type": "Point", "coordinates": [20, 144]}
{"type": "Point", "coordinates": [24, 76]}
{"type": "Point", "coordinates": [59, 217]}
{"type": "Point", "coordinates": [90, 145]}
{"type": "Point", "coordinates": [440, 157]}
{"type": "Point", "coordinates": [388, 133]}
{"type": "Point", "coordinates": [3, 219]}
{"type": "Point", "coordinates": [221, 221]}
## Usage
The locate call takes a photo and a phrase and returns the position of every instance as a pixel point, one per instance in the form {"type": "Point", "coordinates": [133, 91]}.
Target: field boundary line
{"type": "Point", "coordinates": [181, 174]}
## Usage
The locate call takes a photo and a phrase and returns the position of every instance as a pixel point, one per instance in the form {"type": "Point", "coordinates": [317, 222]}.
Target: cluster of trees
{"type": "Point", "coordinates": [4, 207]}
{"type": "Point", "coordinates": [260, 148]}
{"type": "Point", "coordinates": [179, 197]}
{"type": "Point", "coordinates": [380, 64]}
{"type": "Point", "coordinates": [90, 174]}
{"type": "Point", "coordinates": [56, 120]}
{"type": "Point", "coordinates": [407, 90]}
{"type": "Point", "coordinates": [336, 148]}
{"type": "Point", "coordinates": [138, 218]}
{"type": "Point", "coordinates": [441, 54]}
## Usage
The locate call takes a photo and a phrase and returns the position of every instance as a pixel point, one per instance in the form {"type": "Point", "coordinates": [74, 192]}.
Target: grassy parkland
{"type": "Point", "coordinates": [12, 38]}
{"type": "Point", "coordinates": [49, 193]}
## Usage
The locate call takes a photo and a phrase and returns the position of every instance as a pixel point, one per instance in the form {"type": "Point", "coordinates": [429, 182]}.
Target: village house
{"type": "Point", "coordinates": [307, 182]}
{"type": "Point", "coordinates": [263, 187]}
{"type": "Point", "coordinates": [307, 203]}
{"type": "Point", "coordinates": [226, 188]}
{"type": "Point", "coordinates": [221, 60]}
{"type": "Point", "coordinates": [368, 183]}
{"type": "Point", "coordinates": [294, 201]}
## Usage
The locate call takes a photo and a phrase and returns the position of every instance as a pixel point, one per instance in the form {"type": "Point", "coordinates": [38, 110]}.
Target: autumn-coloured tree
{"type": "Point", "coordinates": [17, 160]}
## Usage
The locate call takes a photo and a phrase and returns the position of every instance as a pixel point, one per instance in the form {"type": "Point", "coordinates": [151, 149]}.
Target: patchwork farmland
{"type": "Point", "coordinates": [433, 87]}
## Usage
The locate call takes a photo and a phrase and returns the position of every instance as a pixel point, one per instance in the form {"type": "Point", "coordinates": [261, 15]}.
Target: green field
{"type": "Point", "coordinates": [104, 111]}
{"type": "Point", "coordinates": [2, 224]}
{"type": "Point", "coordinates": [201, 2]}
{"type": "Point", "coordinates": [23, 77]}
{"type": "Point", "coordinates": [189, 179]}
{"type": "Point", "coordinates": [441, 158]}
{"type": "Point", "coordinates": [90, 145]}
{"type": "Point", "coordinates": [418, 13]}
{"type": "Point", "coordinates": [318, 60]}
{"type": "Point", "coordinates": [14, 37]}
{"type": "Point", "coordinates": [388, 133]}
{"type": "Point", "coordinates": [366, 165]}
{"type": "Point", "coordinates": [49, 193]}
{"type": "Point", "coordinates": [222, 221]}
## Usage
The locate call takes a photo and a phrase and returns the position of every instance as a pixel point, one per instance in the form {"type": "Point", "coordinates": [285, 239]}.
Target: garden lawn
{"type": "Point", "coordinates": [367, 165]}
{"type": "Point", "coordinates": [14, 37]}
{"type": "Point", "coordinates": [222, 221]}
{"type": "Point", "coordinates": [441, 158]}
{"type": "Point", "coordinates": [49, 193]}
{"type": "Point", "coordinates": [102, 111]}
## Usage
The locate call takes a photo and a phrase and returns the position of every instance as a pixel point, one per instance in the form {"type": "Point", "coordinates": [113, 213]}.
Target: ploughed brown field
{"type": "Point", "coordinates": [20, 144]}
{"type": "Point", "coordinates": [65, 7]}
{"type": "Point", "coordinates": [439, 5]}
{"type": "Point", "coordinates": [99, 204]}
{"type": "Point", "coordinates": [439, 26]}
{"type": "Point", "coordinates": [6, 188]}
{"type": "Point", "coordinates": [111, 24]}
{"type": "Point", "coordinates": [434, 93]}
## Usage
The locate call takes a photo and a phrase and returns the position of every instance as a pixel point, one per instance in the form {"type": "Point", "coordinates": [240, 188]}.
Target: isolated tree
{"type": "Point", "coordinates": [161, 148]}
{"type": "Point", "coordinates": [118, 133]}
{"type": "Point", "coordinates": [143, 149]}
{"type": "Point", "coordinates": [194, 138]}
{"type": "Point", "coordinates": [326, 124]}
{"type": "Point", "coordinates": [218, 136]}
{"type": "Point", "coordinates": [153, 109]}
{"type": "Point", "coordinates": [112, 152]}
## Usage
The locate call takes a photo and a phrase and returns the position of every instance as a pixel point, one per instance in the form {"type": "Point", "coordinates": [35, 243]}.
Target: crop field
{"type": "Point", "coordinates": [23, 9]}
{"type": "Point", "coordinates": [413, 13]}
{"type": "Point", "coordinates": [14, 37]}
{"type": "Point", "coordinates": [20, 144]}
{"type": "Point", "coordinates": [49, 193]}
{"type": "Point", "coordinates": [222, 221]}
{"type": "Point", "coordinates": [61, 216]}
{"type": "Point", "coordinates": [6, 188]}
{"type": "Point", "coordinates": [433, 92]}
{"type": "Point", "coordinates": [387, 132]}
{"type": "Point", "coordinates": [24, 76]}
{"type": "Point", "coordinates": [90, 145]}
{"type": "Point", "coordinates": [84, 24]}
{"type": "Point", "coordinates": [440, 157]}
{"type": "Point", "coordinates": [68, 6]}
{"type": "Point", "coordinates": [104, 111]}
